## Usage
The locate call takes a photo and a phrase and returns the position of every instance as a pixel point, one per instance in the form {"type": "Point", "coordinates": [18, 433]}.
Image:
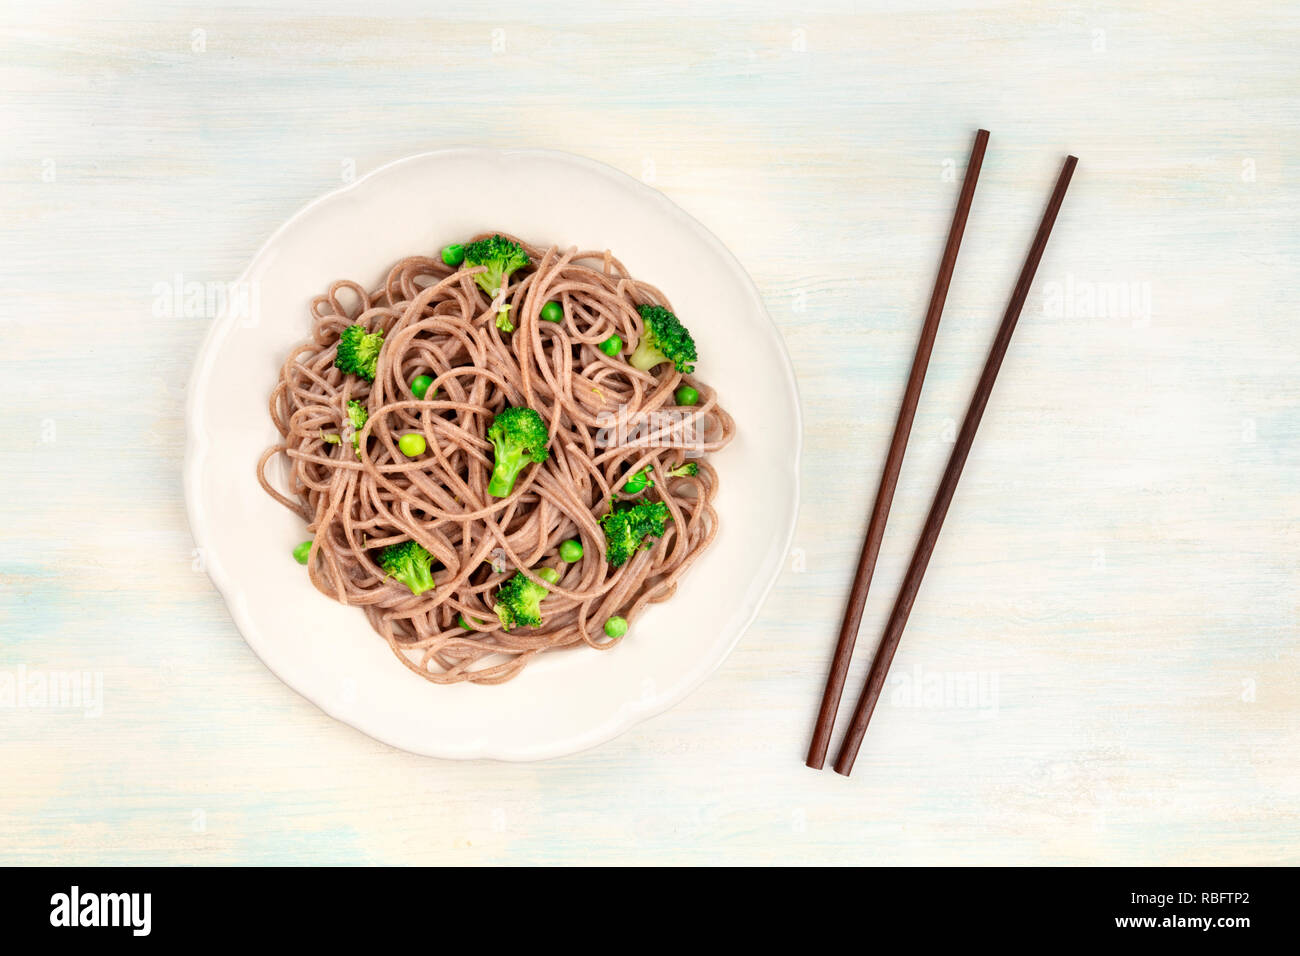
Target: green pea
{"type": "Point", "coordinates": [412, 444]}
{"type": "Point", "coordinates": [571, 550]}
{"type": "Point", "coordinates": [302, 552]}
{"type": "Point", "coordinates": [420, 386]}
{"type": "Point", "coordinates": [549, 575]}
{"type": "Point", "coordinates": [552, 312]}
{"type": "Point", "coordinates": [616, 626]}
{"type": "Point", "coordinates": [636, 483]}
{"type": "Point", "coordinates": [612, 346]}
{"type": "Point", "coordinates": [454, 254]}
{"type": "Point", "coordinates": [460, 619]}
{"type": "Point", "coordinates": [686, 395]}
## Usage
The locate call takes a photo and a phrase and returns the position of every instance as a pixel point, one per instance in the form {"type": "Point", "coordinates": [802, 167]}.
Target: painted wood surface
{"type": "Point", "coordinates": [1102, 665]}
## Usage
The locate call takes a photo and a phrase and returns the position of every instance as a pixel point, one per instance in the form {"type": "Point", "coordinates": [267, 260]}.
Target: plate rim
{"type": "Point", "coordinates": [196, 455]}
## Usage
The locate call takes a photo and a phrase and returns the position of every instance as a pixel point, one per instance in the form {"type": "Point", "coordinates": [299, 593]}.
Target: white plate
{"type": "Point", "coordinates": [568, 700]}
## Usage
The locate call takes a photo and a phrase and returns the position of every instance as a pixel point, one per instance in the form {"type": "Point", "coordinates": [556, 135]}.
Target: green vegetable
{"type": "Point", "coordinates": [638, 482]}
{"type": "Point", "coordinates": [684, 471]}
{"type": "Point", "coordinates": [664, 339]}
{"type": "Point", "coordinates": [412, 444]}
{"type": "Point", "coordinates": [302, 552]}
{"type": "Point", "coordinates": [626, 529]}
{"type": "Point", "coordinates": [410, 564]}
{"type": "Point", "coordinates": [611, 346]}
{"type": "Point", "coordinates": [549, 575]}
{"type": "Point", "coordinates": [460, 619]}
{"type": "Point", "coordinates": [686, 395]}
{"type": "Point", "coordinates": [616, 626]}
{"type": "Point", "coordinates": [502, 257]}
{"type": "Point", "coordinates": [420, 386]}
{"type": "Point", "coordinates": [358, 351]}
{"type": "Point", "coordinates": [571, 550]}
{"type": "Point", "coordinates": [552, 312]}
{"type": "Point", "coordinates": [518, 436]}
{"type": "Point", "coordinates": [454, 254]}
{"type": "Point", "coordinates": [357, 416]}
{"type": "Point", "coordinates": [520, 602]}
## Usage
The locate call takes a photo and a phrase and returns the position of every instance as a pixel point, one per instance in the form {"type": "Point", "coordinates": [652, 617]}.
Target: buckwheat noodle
{"type": "Point", "coordinates": [606, 420]}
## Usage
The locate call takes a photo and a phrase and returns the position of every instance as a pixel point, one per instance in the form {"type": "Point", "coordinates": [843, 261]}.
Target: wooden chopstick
{"type": "Point", "coordinates": [948, 485]}
{"type": "Point", "coordinates": [893, 464]}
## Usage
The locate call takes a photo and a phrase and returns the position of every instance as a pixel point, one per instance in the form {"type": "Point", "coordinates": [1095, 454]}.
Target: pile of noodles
{"type": "Point", "coordinates": [606, 421]}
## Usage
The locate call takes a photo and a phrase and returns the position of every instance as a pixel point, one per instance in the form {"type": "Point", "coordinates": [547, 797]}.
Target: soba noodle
{"type": "Point", "coordinates": [606, 420]}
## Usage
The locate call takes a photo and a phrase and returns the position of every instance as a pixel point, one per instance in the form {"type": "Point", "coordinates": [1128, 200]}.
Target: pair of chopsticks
{"type": "Point", "coordinates": [947, 486]}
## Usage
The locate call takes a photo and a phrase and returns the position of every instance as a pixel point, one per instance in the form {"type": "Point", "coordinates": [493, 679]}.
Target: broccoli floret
{"type": "Point", "coordinates": [358, 416]}
{"type": "Point", "coordinates": [684, 471]}
{"type": "Point", "coordinates": [518, 436]}
{"type": "Point", "coordinates": [664, 339]}
{"type": "Point", "coordinates": [358, 351]}
{"type": "Point", "coordinates": [502, 257]}
{"type": "Point", "coordinates": [520, 602]}
{"type": "Point", "coordinates": [627, 528]}
{"type": "Point", "coordinates": [409, 563]}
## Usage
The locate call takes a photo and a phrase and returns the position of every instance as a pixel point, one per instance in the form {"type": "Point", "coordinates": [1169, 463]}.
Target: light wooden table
{"type": "Point", "coordinates": [1116, 582]}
